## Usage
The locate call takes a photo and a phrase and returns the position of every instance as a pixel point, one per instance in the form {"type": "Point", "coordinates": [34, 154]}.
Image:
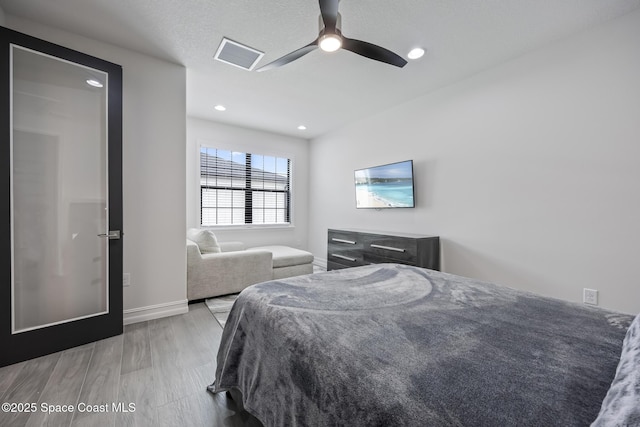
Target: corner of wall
{"type": "Point", "coordinates": [1, 16]}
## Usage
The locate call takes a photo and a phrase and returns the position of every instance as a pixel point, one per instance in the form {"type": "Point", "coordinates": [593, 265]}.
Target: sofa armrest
{"type": "Point", "coordinates": [193, 251]}
{"type": "Point", "coordinates": [226, 272]}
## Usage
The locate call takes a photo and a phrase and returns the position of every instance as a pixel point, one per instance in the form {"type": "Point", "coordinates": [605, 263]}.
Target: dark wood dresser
{"type": "Point", "coordinates": [352, 248]}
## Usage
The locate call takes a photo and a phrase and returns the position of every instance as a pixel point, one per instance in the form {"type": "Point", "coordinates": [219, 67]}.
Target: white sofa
{"type": "Point", "coordinates": [286, 261]}
{"type": "Point", "coordinates": [221, 268]}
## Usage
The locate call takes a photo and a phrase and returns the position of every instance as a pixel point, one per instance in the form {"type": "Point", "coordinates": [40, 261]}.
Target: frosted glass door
{"type": "Point", "coordinates": [60, 198]}
{"type": "Point", "coordinates": [59, 189]}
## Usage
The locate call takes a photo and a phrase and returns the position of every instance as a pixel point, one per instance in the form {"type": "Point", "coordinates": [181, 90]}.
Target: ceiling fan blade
{"type": "Point", "coordinates": [329, 12]}
{"type": "Point", "coordinates": [290, 57]}
{"type": "Point", "coordinates": [372, 51]}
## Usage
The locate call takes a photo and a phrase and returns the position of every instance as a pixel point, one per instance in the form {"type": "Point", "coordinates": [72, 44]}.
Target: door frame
{"type": "Point", "coordinates": [50, 339]}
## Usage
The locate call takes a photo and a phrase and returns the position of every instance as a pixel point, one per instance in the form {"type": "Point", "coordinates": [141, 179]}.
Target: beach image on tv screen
{"type": "Point", "coordinates": [388, 186]}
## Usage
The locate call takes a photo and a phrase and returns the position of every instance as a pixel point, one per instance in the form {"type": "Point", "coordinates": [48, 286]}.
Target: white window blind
{"type": "Point", "coordinates": [243, 188]}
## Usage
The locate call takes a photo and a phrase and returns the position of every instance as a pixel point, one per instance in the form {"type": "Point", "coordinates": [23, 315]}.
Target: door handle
{"type": "Point", "coordinates": [112, 235]}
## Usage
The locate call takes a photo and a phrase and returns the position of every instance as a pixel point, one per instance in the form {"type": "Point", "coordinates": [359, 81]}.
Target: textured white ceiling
{"type": "Point", "coordinates": [322, 91]}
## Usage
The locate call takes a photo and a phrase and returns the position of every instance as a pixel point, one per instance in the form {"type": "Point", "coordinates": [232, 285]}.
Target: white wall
{"type": "Point", "coordinates": [218, 135]}
{"type": "Point", "coordinates": [529, 171]}
{"type": "Point", "coordinates": [2, 20]}
{"type": "Point", "coordinates": [154, 130]}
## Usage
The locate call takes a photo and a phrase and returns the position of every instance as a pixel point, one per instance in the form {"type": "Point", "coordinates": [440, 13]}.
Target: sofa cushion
{"type": "Point", "coordinates": [205, 239]}
{"type": "Point", "coordinates": [284, 256]}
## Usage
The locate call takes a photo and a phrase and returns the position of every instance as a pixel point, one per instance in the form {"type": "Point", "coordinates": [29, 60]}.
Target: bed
{"type": "Point", "coordinates": [394, 345]}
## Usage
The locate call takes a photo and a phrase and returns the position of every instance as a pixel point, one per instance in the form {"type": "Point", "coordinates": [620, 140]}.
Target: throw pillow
{"type": "Point", "coordinates": [205, 239]}
{"type": "Point", "coordinates": [620, 406]}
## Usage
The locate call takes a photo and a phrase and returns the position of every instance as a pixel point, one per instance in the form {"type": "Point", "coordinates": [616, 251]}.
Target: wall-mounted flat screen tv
{"type": "Point", "coordinates": [386, 186]}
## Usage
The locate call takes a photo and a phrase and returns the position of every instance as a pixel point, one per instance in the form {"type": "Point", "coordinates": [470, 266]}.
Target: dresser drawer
{"type": "Point", "coordinates": [391, 248]}
{"type": "Point", "coordinates": [344, 239]}
{"type": "Point", "coordinates": [349, 258]}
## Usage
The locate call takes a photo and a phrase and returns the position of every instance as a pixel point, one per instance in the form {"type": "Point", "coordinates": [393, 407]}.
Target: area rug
{"type": "Point", "coordinates": [220, 307]}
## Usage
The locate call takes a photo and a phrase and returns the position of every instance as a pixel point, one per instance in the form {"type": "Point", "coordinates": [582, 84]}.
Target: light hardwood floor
{"type": "Point", "coordinates": [161, 366]}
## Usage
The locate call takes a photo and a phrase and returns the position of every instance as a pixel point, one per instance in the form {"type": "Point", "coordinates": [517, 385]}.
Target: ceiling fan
{"type": "Point", "coordinates": [331, 39]}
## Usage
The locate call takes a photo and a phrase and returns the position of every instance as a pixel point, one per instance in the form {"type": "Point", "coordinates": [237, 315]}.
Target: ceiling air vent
{"type": "Point", "coordinates": [234, 53]}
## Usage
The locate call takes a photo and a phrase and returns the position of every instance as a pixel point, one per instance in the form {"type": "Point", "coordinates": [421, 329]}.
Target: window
{"type": "Point", "coordinates": [243, 188]}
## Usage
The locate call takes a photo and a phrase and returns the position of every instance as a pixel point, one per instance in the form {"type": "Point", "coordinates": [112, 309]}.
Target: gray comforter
{"type": "Point", "coordinates": [392, 345]}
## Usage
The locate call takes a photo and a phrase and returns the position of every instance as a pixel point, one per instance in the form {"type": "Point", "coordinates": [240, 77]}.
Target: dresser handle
{"type": "Point", "coordinates": [388, 248]}
{"type": "Point", "coordinates": [344, 257]}
{"type": "Point", "coordinates": [350, 242]}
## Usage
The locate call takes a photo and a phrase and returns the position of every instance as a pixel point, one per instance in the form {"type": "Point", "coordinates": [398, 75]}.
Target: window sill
{"type": "Point", "coordinates": [248, 227]}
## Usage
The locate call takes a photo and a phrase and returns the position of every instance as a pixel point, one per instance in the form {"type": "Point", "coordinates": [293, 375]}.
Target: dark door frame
{"type": "Point", "coordinates": [38, 342]}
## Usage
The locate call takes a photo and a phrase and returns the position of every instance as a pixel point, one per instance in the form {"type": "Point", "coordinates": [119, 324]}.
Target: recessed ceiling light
{"type": "Point", "coordinates": [302, 127]}
{"type": "Point", "coordinates": [94, 83]}
{"type": "Point", "coordinates": [220, 107]}
{"type": "Point", "coordinates": [415, 53]}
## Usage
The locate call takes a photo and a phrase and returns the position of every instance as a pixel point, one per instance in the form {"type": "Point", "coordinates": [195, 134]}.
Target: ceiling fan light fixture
{"type": "Point", "coordinates": [330, 39]}
{"type": "Point", "coordinates": [416, 53]}
{"type": "Point", "coordinates": [330, 42]}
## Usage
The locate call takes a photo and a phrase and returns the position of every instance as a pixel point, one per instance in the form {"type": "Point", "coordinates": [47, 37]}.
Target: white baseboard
{"type": "Point", "coordinates": [322, 263]}
{"type": "Point", "coordinates": [141, 314]}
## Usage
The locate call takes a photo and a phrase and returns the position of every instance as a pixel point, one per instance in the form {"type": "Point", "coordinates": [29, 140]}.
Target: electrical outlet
{"type": "Point", "coordinates": [590, 296]}
{"type": "Point", "coordinates": [126, 280]}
